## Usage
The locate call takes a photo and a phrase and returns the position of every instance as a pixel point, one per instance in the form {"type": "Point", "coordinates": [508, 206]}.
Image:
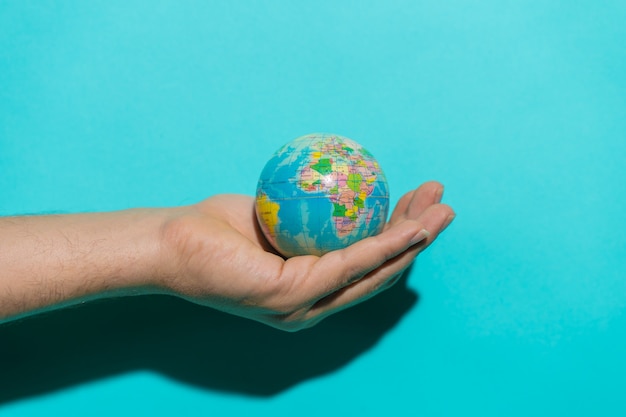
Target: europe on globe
{"type": "Point", "coordinates": [320, 192]}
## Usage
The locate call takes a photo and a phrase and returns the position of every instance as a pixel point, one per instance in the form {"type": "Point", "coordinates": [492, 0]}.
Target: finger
{"type": "Point", "coordinates": [416, 201]}
{"type": "Point", "coordinates": [357, 260]}
{"type": "Point", "coordinates": [399, 212]}
{"type": "Point", "coordinates": [426, 195]}
{"type": "Point", "coordinates": [435, 219]}
{"type": "Point", "coordinates": [344, 266]}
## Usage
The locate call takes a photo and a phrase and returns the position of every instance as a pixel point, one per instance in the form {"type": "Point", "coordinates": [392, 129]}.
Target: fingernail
{"type": "Point", "coordinates": [421, 235]}
{"type": "Point", "coordinates": [439, 195]}
{"type": "Point", "coordinates": [448, 221]}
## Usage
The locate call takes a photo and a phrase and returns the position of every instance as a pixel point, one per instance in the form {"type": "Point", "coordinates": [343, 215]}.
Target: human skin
{"type": "Point", "coordinates": [211, 253]}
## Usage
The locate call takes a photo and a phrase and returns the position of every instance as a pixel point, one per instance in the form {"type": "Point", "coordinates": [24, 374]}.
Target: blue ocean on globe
{"type": "Point", "coordinates": [321, 192]}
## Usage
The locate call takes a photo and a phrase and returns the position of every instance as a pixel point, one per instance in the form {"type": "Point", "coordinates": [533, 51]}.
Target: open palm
{"type": "Point", "coordinates": [226, 263]}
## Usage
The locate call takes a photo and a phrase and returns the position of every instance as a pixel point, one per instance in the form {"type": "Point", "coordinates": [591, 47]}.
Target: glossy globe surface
{"type": "Point", "coordinates": [321, 192]}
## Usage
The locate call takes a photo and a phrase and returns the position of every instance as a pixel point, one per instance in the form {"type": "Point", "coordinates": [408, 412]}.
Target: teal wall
{"type": "Point", "coordinates": [518, 107]}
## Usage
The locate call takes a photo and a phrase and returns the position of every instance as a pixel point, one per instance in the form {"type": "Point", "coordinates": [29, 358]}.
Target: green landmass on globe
{"type": "Point", "coordinates": [321, 192]}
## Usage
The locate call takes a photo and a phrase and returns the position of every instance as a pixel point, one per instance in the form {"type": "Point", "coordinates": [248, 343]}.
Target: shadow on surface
{"type": "Point", "coordinates": [187, 342]}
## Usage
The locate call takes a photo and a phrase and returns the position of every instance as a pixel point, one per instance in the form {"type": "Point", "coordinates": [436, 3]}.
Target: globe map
{"type": "Point", "coordinates": [321, 192]}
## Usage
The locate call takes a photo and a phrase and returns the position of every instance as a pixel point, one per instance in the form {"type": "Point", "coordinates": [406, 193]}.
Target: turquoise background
{"type": "Point", "coordinates": [518, 107]}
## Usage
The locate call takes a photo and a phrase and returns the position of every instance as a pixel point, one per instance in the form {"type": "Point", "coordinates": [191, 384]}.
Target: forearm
{"type": "Point", "coordinates": [52, 261]}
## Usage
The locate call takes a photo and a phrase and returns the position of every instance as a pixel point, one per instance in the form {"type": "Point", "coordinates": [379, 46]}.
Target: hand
{"type": "Point", "coordinates": [223, 261]}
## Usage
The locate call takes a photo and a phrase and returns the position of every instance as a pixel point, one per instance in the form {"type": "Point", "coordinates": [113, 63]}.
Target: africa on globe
{"type": "Point", "coordinates": [321, 192]}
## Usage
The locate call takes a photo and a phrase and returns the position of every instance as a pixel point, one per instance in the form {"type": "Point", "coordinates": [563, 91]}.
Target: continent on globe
{"type": "Point", "coordinates": [321, 192]}
{"type": "Point", "coordinates": [345, 177]}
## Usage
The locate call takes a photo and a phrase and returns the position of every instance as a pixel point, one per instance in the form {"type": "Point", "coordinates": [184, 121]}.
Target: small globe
{"type": "Point", "coordinates": [321, 192]}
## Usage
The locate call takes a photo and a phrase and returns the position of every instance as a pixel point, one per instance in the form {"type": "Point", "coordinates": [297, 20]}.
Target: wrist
{"type": "Point", "coordinates": [144, 259]}
{"type": "Point", "coordinates": [169, 272]}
